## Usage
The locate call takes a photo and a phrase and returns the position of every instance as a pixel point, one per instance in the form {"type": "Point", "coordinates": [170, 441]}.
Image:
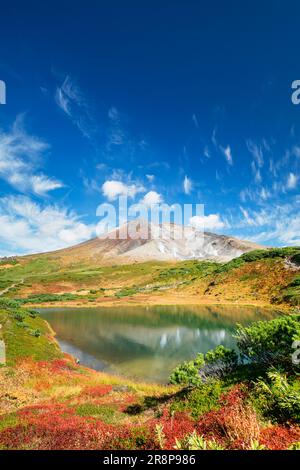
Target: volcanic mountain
{"type": "Point", "coordinates": [164, 242]}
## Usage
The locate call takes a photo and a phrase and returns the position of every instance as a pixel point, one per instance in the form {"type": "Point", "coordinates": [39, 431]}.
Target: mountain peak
{"type": "Point", "coordinates": [140, 241]}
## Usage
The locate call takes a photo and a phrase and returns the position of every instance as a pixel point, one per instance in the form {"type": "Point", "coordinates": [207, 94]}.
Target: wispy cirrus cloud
{"type": "Point", "coordinates": [206, 152]}
{"type": "Point", "coordinates": [273, 176]}
{"type": "Point", "coordinates": [257, 162]}
{"type": "Point", "coordinates": [21, 157]}
{"type": "Point", "coordinates": [280, 223]}
{"type": "Point", "coordinates": [225, 150]}
{"type": "Point", "coordinates": [256, 151]}
{"type": "Point", "coordinates": [187, 185]}
{"type": "Point", "coordinates": [71, 100]}
{"type": "Point", "coordinates": [257, 194]}
{"type": "Point", "coordinates": [195, 121]}
{"type": "Point", "coordinates": [28, 227]}
{"type": "Point", "coordinates": [116, 134]}
{"type": "Point", "coordinates": [227, 154]}
{"type": "Point", "coordinates": [256, 172]}
{"type": "Point", "coordinates": [120, 144]}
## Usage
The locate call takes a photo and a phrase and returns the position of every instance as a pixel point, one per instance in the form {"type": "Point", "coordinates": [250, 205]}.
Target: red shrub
{"type": "Point", "coordinates": [234, 424]}
{"type": "Point", "coordinates": [97, 391]}
{"type": "Point", "coordinates": [55, 366]}
{"type": "Point", "coordinates": [55, 427]}
{"type": "Point", "coordinates": [279, 437]}
{"type": "Point", "coordinates": [174, 426]}
{"type": "Point", "coordinates": [60, 365]}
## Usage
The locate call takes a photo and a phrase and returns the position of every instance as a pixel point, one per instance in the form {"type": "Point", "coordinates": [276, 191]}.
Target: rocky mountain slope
{"type": "Point", "coordinates": [165, 242]}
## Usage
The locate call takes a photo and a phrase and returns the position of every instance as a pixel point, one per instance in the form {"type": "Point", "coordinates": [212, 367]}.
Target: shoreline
{"type": "Point", "coordinates": [130, 302]}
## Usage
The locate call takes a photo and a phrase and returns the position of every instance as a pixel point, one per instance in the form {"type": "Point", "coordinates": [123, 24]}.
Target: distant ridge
{"type": "Point", "coordinates": [194, 245]}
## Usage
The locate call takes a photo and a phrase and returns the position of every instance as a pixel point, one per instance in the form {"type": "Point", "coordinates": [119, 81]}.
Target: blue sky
{"type": "Point", "coordinates": [174, 101]}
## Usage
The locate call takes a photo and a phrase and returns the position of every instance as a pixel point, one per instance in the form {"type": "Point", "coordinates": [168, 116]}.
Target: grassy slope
{"type": "Point", "coordinates": [27, 335]}
{"type": "Point", "coordinates": [260, 277]}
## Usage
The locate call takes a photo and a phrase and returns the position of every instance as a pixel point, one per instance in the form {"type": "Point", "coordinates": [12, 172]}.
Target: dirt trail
{"type": "Point", "coordinates": [7, 289]}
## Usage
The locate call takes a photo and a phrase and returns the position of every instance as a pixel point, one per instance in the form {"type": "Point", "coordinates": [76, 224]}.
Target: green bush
{"type": "Point", "coordinates": [257, 255]}
{"type": "Point", "coordinates": [200, 400]}
{"type": "Point", "coordinates": [9, 303]}
{"type": "Point", "coordinates": [187, 373]}
{"type": "Point", "coordinates": [18, 316]}
{"type": "Point", "coordinates": [278, 397]}
{"type": "Point", "coordinates": [291, 293]}
{"type": "Point", "coordinates": [22, 324]}
{"type": "Point", "coordinates": [35, 333]}
{"type": "Point", "coordinates": [219, 362]}
{"type": "Point", "coordinates": [269, 343]}
{"type": "Point", "coordinates": [126, 292]}
{"type": "Point", "coordinates": [33, 313]}
{"type": "Point", "coordinates": [40, 298]}
{"type": "Point", "coordinates": [228, 357]}
{"type": "Point", "coordinates": [215, 364]}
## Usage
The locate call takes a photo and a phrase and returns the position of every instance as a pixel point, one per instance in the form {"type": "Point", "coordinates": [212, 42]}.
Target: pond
{"type": "Point", "coordinates": [146, 343]}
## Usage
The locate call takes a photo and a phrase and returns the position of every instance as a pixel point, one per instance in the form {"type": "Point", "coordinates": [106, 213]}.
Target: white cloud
{"type": "Point", "coordinates": [28, 227]}
{"type": "Point", "coordinates": [116, 136]}
{"type": "Point", "coordinates": [249, 220]}
{"type": "Point", "coordinates": [214, 137]}
{"type": "Point", "coordinates": [195, 121]}
{"type": "Point", "coordinates": [208, 222]}
{"type": "Point", "coordinates": [112, 189]}
{"type": "Point", "coordinates": [72, 102]}
{"type": "Point", "coordinates": [257, 152]}
{"type": "Point", "coordinates": [289, 234]}
{"type": "Point", "coordinates": [265, 193]}
{"type": "Point", "coordinates": [41, 184]}
{"type": "Point", "coordinates": [152, 197]}
{"type": "Point", "coordinates": [150, 178]}
{"type": "Point", "coordinates": [292, 181]}
{"type": "Point", "coordinates": [187, 185]}
{"type": "Point", "coordinates": [257, 195]}
{"type": "Point", "coordinates": [225, 150]}
{"type": "Point", "coordinates": [272, 224]}
{"type": "Point", "coordinates": [68, 94]}
{"type": "Point", "coordinates": [21, 155]}
{"type": "Point", "coordinates": [256, 172]}
{"type": "Point", "coordinates": [227, 153]}
{"type": "Point", "coordinates": [206, 152]}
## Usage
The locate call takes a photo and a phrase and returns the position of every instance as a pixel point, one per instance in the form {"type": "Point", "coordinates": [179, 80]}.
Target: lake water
{"type": "Point", "coordinates": [146, 343]}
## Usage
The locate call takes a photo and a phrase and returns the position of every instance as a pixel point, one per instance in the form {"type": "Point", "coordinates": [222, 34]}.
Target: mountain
{"type": "Point", "coordinates": [165, 242]}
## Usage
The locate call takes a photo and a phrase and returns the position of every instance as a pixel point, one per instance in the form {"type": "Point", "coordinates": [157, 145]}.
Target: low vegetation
{"type": "Point", "coordinates": [261, 276]}
{"type": "Point", "coordinates": [262, 375]}
{"type": "Point", "coordinates": [26, 335]}
{"type": "Point", "coordinates": [248, 398]}
{"type": "Point", "coordinates": [225, 399]}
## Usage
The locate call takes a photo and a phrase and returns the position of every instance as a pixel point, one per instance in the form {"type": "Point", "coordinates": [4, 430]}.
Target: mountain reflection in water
{"type": "Point", "coordinates": [146, 343]}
